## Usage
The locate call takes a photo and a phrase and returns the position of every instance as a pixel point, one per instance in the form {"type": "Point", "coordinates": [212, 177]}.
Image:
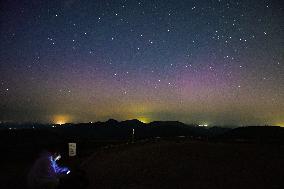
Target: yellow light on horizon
{"type": "Point", "coordinates": [144, 119]}
{"type": "Point", "coordinates": [60, 122]}
{"type": "Point", "coordinates": [280, 124]}
{"type": "Point", "coordinates": [61, 119]}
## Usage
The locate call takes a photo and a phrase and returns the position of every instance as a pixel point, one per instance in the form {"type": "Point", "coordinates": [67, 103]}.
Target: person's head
{"type": "Point", "coordinates": [52, 149]}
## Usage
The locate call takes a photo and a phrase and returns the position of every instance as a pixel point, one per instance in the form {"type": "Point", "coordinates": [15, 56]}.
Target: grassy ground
{"type": "Point", "coordinates": [187, 164]}
{"type": "Point", "coordinates": [165, 164]}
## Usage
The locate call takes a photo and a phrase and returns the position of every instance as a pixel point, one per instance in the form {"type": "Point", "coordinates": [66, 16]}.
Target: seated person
{"type": "Point", "coordinates": [45, 172]}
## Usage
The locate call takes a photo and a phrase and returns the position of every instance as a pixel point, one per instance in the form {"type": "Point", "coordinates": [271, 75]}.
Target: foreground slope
{"type": "Point", "coordinates": [187, 164]}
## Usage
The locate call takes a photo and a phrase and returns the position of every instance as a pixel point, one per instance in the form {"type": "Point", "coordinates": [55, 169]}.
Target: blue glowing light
{"type": "Point", "coordinates": [57, 169]}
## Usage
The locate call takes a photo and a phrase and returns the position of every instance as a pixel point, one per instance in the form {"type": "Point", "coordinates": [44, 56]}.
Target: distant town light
{"type": "Point", "coordinates": [144, 119]}
{"type": "Point", "coordinates": [61, 119]}
{"type": "Point", "coordinates": [280, 124]}
{"type": "Point", "coordinates": [60, 123]}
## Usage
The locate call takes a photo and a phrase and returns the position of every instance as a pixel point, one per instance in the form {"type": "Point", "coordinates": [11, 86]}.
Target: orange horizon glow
{"type": "Point", "coordinates": [61, 119]}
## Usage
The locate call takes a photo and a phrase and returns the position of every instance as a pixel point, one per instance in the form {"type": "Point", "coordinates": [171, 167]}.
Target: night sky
{"type": "Point", "coordinates": [211, 62]}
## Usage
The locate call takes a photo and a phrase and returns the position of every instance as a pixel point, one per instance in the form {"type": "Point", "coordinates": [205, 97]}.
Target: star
{"type": "Point", "coordinates": [163, 51]}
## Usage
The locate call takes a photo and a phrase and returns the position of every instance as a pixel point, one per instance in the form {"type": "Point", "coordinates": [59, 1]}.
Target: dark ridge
{"type": "Point", "coordinates": [166, 123]}
{"type": "Point", "coordinates": [111, 122]}
{"type": "Point", "coordinates": [259, 133]}
{"type": "Point", "coordinates": [131, 123]}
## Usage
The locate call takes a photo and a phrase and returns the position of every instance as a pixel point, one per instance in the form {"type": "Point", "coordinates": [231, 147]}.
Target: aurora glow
{"type": "Point", "coordinates": [213, 62]}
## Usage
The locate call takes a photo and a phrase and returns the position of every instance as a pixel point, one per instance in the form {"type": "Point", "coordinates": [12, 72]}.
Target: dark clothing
{"type": "Point", "coordinates": [44, 173]}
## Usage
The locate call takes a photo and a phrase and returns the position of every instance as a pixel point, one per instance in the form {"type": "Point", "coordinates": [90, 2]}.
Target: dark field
{"type": "Point", "coordinates": [170, 164]}
{"type": "Point", "coordinates": [166, 162]}
{"type": "Point", "coordinates": [188, 164]}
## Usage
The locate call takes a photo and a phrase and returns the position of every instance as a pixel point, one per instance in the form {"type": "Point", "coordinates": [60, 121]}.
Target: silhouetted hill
{"type": "Point", "coordinates": [217, 131]}
{"type": "Point", "coordinates": [115, 130]}
{"type": "Point", "coordinates": [166, 123]}
{"type": "Point", "coordinates": [111, 122]}
{"type": "Point", "coordinates": [132, 123]}
{"type": "Point", "coordinates": [273, 133]}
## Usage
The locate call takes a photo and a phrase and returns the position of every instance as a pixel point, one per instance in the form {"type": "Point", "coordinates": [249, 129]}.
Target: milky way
{"type": "Point", "coordinates": [214, 62]}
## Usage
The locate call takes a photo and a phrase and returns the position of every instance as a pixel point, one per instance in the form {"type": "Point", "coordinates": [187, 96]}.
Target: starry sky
{"type": "Point", "coordinates": [215, 62]}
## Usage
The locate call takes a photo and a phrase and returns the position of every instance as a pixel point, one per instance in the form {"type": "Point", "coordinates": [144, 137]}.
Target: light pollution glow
{"type": "Point", "coordinates": [219, 63]}
{"type": "Point", "coordinates": [61, 119]}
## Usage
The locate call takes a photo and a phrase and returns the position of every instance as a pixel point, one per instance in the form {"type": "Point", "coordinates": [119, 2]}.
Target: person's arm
{"type": "Point", "coordinates": [57, 169]}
